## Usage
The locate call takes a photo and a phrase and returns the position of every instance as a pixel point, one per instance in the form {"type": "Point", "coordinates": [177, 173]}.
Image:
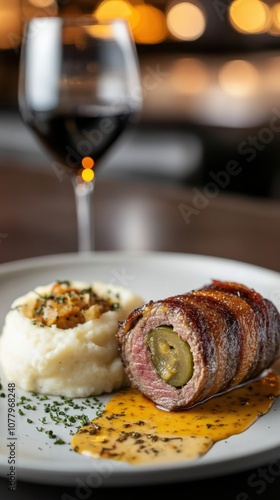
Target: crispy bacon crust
{"type": "Point", "coordinates": [233, 333]}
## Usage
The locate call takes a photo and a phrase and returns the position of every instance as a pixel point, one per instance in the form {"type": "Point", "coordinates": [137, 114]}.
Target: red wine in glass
{"type": "Point", "coordinates": [79, 88]}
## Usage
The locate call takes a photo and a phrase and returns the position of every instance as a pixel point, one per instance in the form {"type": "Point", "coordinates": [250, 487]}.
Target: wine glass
{"type": "Point", "coordinates": [79, 88]}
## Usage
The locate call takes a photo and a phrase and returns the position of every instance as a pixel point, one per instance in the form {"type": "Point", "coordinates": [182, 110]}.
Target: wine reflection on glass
{"type": "Point", "coordinates": [79, 88]}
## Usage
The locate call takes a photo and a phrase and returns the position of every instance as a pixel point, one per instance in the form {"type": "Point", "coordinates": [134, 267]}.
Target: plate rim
{"type": "Point", "coordinates": [44, 259]}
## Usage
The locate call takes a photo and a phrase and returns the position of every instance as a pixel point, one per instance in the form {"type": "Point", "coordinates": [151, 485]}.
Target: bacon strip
{"type": "Point", "coordinates": [233, 333]}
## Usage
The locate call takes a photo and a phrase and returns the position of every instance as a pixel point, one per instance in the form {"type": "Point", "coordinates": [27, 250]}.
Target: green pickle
{"type": "Point", "coordinates": [171, 355]}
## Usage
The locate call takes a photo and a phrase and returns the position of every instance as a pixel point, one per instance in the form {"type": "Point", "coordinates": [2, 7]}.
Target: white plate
{"type": "Point", "coordinates": [154, 276]}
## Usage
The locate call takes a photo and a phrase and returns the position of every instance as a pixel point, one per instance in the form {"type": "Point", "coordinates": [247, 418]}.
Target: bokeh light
{"type": "Point", "coordinates": [10, 24]}
{"type": "Point", "coordinates": [42, 3]}
{"type": "Point", "coordinates": [271, 75]}
{"type": "Point", "coordinates": [87, 173]}
{"type": "Point", "coordinates": [38, 8]}
{"type": "Point", "coordinates": [87, 162]}
{"type": "Point", "coordinates": [189, 76]}
{"type": "Point", "coordinates": [274, 28]}
{"type": "Point", "coordinates": [114, 9]}
{"type": "Point", "coordinates": [150, 26]}
{"type": "Point", "coordinates": [186, 21]}
{"type": "Point", "coordinates": [239, 78]}
{"type": "Point", "coordinates": [249, 16]}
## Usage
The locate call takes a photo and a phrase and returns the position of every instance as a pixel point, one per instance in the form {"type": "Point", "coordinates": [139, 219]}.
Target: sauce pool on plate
{"type": "Point", "coordinates": [134, 430]}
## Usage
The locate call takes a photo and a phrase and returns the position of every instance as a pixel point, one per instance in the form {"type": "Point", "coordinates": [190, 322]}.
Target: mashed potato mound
{"type": "Point", "coordinates": [59, 339]}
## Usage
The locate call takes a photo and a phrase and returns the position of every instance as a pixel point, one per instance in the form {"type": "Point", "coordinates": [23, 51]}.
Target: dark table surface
{"type": "Point", "coordinates": [37, 217]}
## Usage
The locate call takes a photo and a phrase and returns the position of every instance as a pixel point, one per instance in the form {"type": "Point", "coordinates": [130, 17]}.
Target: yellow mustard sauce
{"type": "Point", "coordinates": [132, 429]}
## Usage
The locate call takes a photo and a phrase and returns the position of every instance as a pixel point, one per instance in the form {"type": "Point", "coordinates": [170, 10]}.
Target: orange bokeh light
{"type": "Point", "coordinates": [249, 16]}
{"type": "Point", "coordinates": [113, 9]}
{"type": "Point", "coordinates": [87, 162]}
{"type": "Point", "coordinates": [150, 26]}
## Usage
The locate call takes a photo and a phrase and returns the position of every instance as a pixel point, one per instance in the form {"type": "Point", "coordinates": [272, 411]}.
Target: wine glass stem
{"type": "Point", "coordinates": [83, 199]}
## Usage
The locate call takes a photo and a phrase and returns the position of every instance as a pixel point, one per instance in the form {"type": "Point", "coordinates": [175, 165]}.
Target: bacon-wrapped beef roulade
{"type": "Point", "coordinates": [184, 349]}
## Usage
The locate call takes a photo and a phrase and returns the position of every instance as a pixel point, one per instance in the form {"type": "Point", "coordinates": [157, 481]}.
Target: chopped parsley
{"type": "Point", "coordinates": [63, 411]}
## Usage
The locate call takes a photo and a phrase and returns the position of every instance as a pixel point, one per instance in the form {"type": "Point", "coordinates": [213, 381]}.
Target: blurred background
{"type": "Point", "coordinates": [211, 82]}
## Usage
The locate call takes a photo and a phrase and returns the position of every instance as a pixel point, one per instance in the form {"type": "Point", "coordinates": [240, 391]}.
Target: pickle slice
{"type": "Point", "coordinates": [171, 355]}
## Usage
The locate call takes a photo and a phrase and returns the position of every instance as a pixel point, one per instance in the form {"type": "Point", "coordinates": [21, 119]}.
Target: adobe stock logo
{"type": "Point", "coordinates": [260, 480]}
{"type": "Point", "coordinates": [248, 150]}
